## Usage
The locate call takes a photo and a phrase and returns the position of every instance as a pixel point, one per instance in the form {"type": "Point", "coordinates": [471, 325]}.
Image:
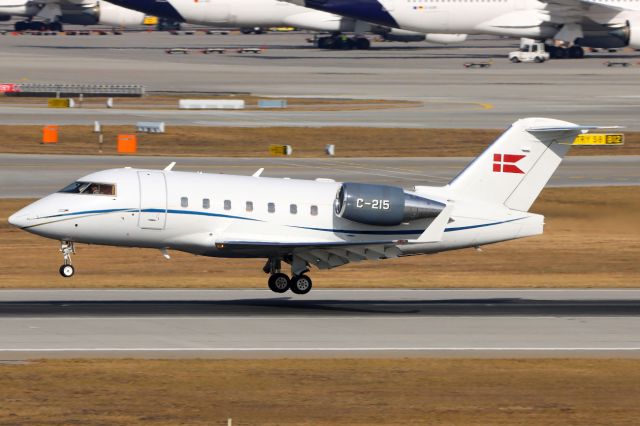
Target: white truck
{"type": "Point", "coordinates": [530, 51]}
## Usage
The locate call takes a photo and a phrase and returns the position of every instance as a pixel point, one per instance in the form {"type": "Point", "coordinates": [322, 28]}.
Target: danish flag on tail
{"type": "Point", "coordinates": [530, 151]}
{"type": "Point", "coordinates": [506, 163]}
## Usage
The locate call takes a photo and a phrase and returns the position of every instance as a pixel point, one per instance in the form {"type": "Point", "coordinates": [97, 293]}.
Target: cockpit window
{"type": "Point", "coordinates": [90, 188]}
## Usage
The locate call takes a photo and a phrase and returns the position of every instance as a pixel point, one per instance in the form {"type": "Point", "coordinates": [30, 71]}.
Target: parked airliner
{"type": "Point", "coordinates": [274, 13]}
{"type": "Point", "coordinates": [576, 23]}
{"type": "Point", "coordinates": [51, 14]}
{"type": "Point", "coordinates": [305, 223]}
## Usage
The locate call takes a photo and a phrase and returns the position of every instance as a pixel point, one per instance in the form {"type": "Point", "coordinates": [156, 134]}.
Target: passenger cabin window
{"type": "Point", "coordinates": [249, 206]}
{"type": "Point", "coordinates": [206, 203]}
{"type": "Point", "coordinates": [227, 204]}
{"type": "Point", "coordinates": [271, 207]}
{"type": "Point", "coordinates": [90, 188]}
{"type": "Point", "coordinates": [293, 209]}
{"type": "Point", "coordinates": [314, 210]}
{"type": "Point", "coordinates": [184, 202]}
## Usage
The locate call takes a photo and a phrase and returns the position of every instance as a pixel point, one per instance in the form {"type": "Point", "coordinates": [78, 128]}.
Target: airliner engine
{"type": "Point", "coordinates": [102, 13]}
{"type": "Point", "coordinates": [382, 205]}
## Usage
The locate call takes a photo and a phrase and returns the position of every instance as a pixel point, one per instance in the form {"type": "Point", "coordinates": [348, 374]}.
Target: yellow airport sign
{"type": "Point", "coordinates": [59, 103]}
{"type": "Point", "coordinates": [599, 139]}
{"type": "Point", "coordinates": [280, 149]}
{"type": "Point", "coordinates": [150, 20]}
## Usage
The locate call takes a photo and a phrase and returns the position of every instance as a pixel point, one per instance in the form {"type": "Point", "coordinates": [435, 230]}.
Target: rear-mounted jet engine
{"type": "Point", "coordinates": [382, 205]}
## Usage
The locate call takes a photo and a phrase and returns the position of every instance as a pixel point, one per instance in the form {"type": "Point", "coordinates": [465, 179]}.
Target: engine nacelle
{"type": "Point", "coordinates": [382, 205]}
{"type": "Point", "coordinates": [632, 33]}
{"type": "Point", "coordinates": [116, 16]}
{"type": "Point", "coordinates": [446, 38]}
{"type": "Point", "coordinates": [395, 34]}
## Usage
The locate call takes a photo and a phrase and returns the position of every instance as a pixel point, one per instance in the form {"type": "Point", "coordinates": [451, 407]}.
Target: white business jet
{"type": "Point", "coordinates": [306, 223]}
{"type": "Point", "coordinates": [51, 14]}
{"type": "Point", "coordinates": [576, 23]}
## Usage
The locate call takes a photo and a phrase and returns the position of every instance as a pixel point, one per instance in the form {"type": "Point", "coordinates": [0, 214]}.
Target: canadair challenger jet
{"type": "Point", "coordinates": [308, 223]}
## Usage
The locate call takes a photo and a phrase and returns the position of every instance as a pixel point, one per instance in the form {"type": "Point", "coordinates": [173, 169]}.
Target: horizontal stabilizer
{"type": "Point", "coordinates": [571, 128]}
{"type": "Point", "coordinates": [435, 230]}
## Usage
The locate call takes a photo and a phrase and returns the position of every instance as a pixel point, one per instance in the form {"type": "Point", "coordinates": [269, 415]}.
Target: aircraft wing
{"type": "Point", "coordinates": [573, 11]}
{"type": "Point", "coordinates": [322, 255]}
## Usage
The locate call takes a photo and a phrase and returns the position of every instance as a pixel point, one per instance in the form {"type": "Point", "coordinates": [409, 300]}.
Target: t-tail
{"type": "Point", "coordinates": [516, 167]}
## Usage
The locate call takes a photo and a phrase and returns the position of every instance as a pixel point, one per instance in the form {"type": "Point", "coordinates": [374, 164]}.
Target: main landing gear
{"type": "Point", "coordinates": [66, 247]}
{"type": "Point", "coordinates": [279, 282]}
{"type": "Point", "coordinates": [342, 42]}
{"type": "Point", "coordinates": [573, 52]}
{"type": "Point", "coordinates": [37, 26]}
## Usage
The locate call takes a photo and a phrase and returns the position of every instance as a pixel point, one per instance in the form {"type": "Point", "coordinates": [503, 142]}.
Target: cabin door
{"type": "Point", "coordinates": [153, 200]}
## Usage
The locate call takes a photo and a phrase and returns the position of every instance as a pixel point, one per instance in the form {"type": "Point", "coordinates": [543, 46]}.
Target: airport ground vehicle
{"type": "Point", "coordinates": [530, 51]}
{"type": "Point", "coordinates": [308, 223]}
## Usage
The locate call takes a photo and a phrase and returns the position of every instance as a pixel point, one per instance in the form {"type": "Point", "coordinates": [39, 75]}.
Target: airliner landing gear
{"type": "Point", "coordinates": [573, 52]}
{"type": "Point", "coordinates": [37, 26]}
{"type": "Point", "coordinates": [342, 42]}
{"type": "Point", "coordinates": [66, 247]}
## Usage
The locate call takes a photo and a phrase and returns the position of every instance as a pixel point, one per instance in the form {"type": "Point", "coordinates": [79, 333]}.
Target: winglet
{"type": "Point", "coordinates": [258, 172]}
{"type": "Point", "coordinates": [169, 167]}
{"type": "Point", "coordinates": [435, 230]}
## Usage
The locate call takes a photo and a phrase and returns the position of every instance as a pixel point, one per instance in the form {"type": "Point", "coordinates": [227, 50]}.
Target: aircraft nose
{"type": "Point", "coordinates": [18, 219]}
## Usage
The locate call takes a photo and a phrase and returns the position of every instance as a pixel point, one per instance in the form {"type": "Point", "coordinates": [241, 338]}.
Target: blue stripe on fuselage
{"type": "Point", "coordinates": [159, 8]}
{"type": "Point", "coordinates": [366, 10]}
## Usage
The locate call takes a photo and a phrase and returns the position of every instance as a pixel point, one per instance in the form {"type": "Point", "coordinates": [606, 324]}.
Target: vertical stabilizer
{"type": "Point", "coordinates": [515, 168]}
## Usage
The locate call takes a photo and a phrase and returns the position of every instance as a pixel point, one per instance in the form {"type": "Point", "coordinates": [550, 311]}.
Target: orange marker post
{"type": "Point", "coordinates": [127, 144]}
{"type": "Point", "coordinates": [50, 134]}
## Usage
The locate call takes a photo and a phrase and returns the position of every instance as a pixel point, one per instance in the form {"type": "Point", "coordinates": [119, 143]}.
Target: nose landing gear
{"type": "Point", "coordinates": [67, 249]}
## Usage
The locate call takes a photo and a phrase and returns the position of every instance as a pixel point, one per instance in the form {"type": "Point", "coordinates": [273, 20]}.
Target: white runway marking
{"type": "Point", "coordinates": [295, 349]}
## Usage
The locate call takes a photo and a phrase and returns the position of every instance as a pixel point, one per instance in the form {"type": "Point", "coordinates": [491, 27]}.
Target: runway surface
{"type": "Point", "coordinates": [583, 91]}
{"type": "Point", "coordinates": [325, 323]}
{"type": "Point", "coordinates": [20, 177]}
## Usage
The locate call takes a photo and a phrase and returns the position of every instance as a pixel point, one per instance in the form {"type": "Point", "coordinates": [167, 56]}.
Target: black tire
{"type": "Point", "coordinates": [55, 26]}
{"type": "Point", "coordinates": [349, 44]}
{"type": "Point", "coordinates": [279, 283]}
{"type": "Point", "coordinates": [246, 30]}
{"type": "Point", "coordinates": [576, 52]}
{"type": "Point", "coordinates": [301, 284]}
{"type": "Point", "coordinates": [325, 43]}
{"type": "Point", "coordinates": [537, 59]}
{"type": "Point", "coordinates": [362, 43]}
{"type": "Point", "coordinates": [67, 271]}
{"type": "Point", "coordinates": [515, 60]}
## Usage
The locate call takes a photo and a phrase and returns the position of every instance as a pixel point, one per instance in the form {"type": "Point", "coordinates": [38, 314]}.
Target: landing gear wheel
{"type": "Point", "coordinates": [301, 284]}
{"type": "Point", "coordinates": [362, 43]}
{"type": "Point", "coordinates": [67, 271]}
{"type": "Point", "coordinates": [576, 52]}
{"type": "Point", "coordinates": [279, 283]}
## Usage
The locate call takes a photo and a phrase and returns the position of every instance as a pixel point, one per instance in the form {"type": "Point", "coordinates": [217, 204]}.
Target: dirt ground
{"type": "Point", "coordinates": [592, 239]}
{"type": "Point", "coordinates": [169, 101]}
{"type": "Point", "coordinates": [254, 142]}
{"type": "Point", "coordinates": [321, 392]}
